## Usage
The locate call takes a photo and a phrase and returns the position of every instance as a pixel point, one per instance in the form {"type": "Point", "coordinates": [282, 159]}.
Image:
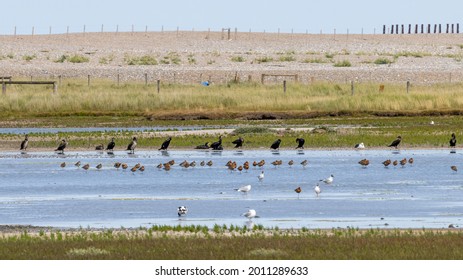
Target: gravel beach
{"type": "Point", "coordinates": [192, 57]}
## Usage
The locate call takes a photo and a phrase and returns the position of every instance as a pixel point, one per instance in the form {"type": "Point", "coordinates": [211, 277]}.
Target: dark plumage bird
{"type": "Point", "coordinates": [217, 145]}
{"type": "Point", "coordinates": [276, 144]}
{"type": "Point", "coordinates": [300, 143]}
{"type": "Point", "coordinates": [99, 147]}
{"type": "Point", "coordinates": [62, 146]}
{"type": "Point", "coordinates": [203, 147]}
{"type": "Point", "coordinates": [453, 140]}
{"type": "Point", "coordinates": [165, 144]}
{"type": "Point", "coordinates": [111, 145]}
{"type": "Point", "coordinates": [396, 142]}
{"type": "Point", "coordinates": [132, 145]}
{"type": "Point", "coordinates": [238, 142]}
{"type": "Point", "coordinates": [24, 143]}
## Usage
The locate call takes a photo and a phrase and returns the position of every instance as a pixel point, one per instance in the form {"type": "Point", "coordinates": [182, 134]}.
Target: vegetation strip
{"type": "Point", "coordinates": [231, 242]}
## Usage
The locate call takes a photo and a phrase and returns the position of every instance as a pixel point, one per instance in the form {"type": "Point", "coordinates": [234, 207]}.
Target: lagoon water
{"type": "Point", "coordinates": [35, 190]}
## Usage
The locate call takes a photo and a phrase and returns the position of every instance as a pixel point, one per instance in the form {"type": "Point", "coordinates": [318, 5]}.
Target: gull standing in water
{"type": "Point", "coordinates": [182, 211]}
{"type": "Point", "coordinates": [261, 176]}
{"type": "Point", "coordinates": [317, 189]}
{"type": "Point", "coordinates": [244, 189]}
{"type": "Point", "coordinates": [251, 213]}
{"type": "Point", "coordinates": [328, 180]}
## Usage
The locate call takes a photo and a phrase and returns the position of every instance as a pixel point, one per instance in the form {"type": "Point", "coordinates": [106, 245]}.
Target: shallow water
{"type": "Point", "coordinates": [35, 190]}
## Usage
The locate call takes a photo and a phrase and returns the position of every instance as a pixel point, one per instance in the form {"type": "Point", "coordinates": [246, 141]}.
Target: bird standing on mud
{"type": "Point", "coordinates": [61, 146]}
{"type": "Point", "coordinates": [276, 145]}
{"type": "Point", "coordinates": [453, 140]}
{"type": "Point", "coordinates": [300, 143]}
{"type": "Point", "coordinates": [165, 144]}
{"type": "Point", "coordinates": [396, 142]}
{"type": "Point", "coordinates": [132, 145]}
{"type": "Point", "coordinates": [238, 142]}
{"type": "Point", "coordinates": [111, 145]}
{"type": "Point", "coordinates": [217, 146]}
{"type": "Point", "coordinates": [203, 147]}
{"type": "Point", "coordinates": [24, 143]}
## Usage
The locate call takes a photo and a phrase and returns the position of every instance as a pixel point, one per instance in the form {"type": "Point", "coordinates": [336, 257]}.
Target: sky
{"type": "Point", "coordinates": [256, 15]}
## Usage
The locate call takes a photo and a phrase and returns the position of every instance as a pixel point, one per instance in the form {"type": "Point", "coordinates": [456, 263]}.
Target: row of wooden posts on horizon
{"type": "Point", "coordinates": [450, 28]}
{"type": "Point", "coordinates": [7, 80]}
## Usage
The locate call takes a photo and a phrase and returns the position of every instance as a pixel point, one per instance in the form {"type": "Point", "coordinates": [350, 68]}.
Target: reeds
{"type": "Point", "coordinates": [106, 98]}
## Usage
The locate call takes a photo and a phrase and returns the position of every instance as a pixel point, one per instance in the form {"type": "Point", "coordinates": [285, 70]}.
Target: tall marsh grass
{"type": "Point", "coordinates": [105, 98]}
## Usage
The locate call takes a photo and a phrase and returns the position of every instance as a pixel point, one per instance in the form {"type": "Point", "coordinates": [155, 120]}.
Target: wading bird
{"type": "Point", "coordinates": [244, 189]}
{"type": "Point", "coordinates": [24, 143]}
{"type": "Point", "coordinates": [298, 190]}
{"type": "Point", "coordinates": [111, 145]}
{"type": "Point", "coordinates": [182, 211]}
{"type": "Point", "coordinates": [238, 142]}
{"type": "Point", "coordinates": [396, 142]}
{"type": "Point", "coordinates": [261, 176]}
{"type": "Point", "coordinates": [328, 180]}
{"type": "Point", "coordinates": [276, 145]}
{"type": "Point", "coordinates": [317, 189]}
{"type": "Point", "coordinates": [359, 146]}
{"type": "Point", "coordinates": [454, 168]}
{"type": "Point", "coordinates": [453, 140]}
{"type": "Point", "coordinates": [251, 213]}
{"type": "Point", "coordinates": [131, 147]}
{"type": "Point", "coordinates": [165, 144]}
{"type": "Point", "coordinates": [300, 143]}
{"type": "Point", "coordinates": [61, 146]}
{"type": "Point", "coordinates": [217, 146]}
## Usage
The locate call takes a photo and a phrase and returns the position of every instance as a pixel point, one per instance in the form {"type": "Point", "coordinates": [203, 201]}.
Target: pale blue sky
{"type": "Point", "coordinates": [268, 15]}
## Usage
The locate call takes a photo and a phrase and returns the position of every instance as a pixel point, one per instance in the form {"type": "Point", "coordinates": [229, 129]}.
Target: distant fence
{"type": "Point", "coordinates": [156, 80]}
{"type": "Point", "coordinates": [421, 28]}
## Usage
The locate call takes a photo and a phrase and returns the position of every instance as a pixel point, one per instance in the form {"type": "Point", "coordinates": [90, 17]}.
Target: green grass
{"type": "Point", "coordinates": [382, 60]}
{"type": "Point", "coordinates": [328, 132]}
{"type": "Point", "coordinates": [227, 243]}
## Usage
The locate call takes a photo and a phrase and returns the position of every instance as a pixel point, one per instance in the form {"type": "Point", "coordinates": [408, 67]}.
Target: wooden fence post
{"type": "Point", "coordinates": [88, 80]}
{"type": "Point", "coordinates": [3, 87]}
{"type": "Point", "coordinates": [158, 82]}
{"type": "Point", "coordinates": [146, 79]}
{"type": "Point", "coordinates": [408, 86]}
{"type": "Point", "coordinates": [59, 80]}
{"type": "Point", "coordinates": [352, 87]}
{"type": "Point", "coordinates": [284, 86]}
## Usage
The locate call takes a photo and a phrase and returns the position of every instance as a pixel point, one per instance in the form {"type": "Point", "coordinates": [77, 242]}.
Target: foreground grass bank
{"type": "Point", "coordinates": [234, 100]}
{"type": "Point", "coordinates": [222, 242]}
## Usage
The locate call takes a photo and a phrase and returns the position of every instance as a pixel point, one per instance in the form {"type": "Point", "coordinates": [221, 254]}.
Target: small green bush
{"type": "Point", "coordinates": [287, 58]}
{"type": "Point", "coordinates": [238, 59]}
{"type": "Point", "coordinates": [344, 63]}
{"type": "Point", "coordinates": [382, 60]}
{"type": "Point", "coordinates": [264, 59]}
{"type": "Point", "coordinates": [142, 60]}
{"type": "Point", "coordinates": [78, 59]}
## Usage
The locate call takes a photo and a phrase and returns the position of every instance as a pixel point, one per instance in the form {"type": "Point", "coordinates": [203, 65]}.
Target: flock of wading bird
{"type": "Point", "coordinates": [231, 165]}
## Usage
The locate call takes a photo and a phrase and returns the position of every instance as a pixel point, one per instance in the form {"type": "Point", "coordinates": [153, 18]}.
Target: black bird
{"type": "Point", "coordinates": [396, 142]}
{"type": "Point", "coordinates": [24, 143]}
{"type": "Point", "coordinates": [132, 145]}
{"type": "Point", "coordinates": [238, 142]}
{"type": "Point", "coordinates": [62, 146]}
{"type": "Point", "coordinates": [453, 140]}
{"type": "Point", "coordinates": [99, 147]}
{"type": "Point", "coordinates": [276, 144]}
{"type": "Point", "coordinates": [165, 144]}
{"type": "Point", "coordinates": [300, 143]}
{"type": "Point", "coordinates": [217, 145]}
{"type": "Point", "coordinates": [111, 145]}
{"type": "Point", "coordinates": [203, 147]}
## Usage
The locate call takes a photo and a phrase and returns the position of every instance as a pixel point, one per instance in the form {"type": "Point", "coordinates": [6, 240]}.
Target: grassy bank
{"type": "Point", "coordinates": [331, 132]}
{"type": "Point", "coordinates": [222, 242]}
{"type": "Point", "coordinates": [243, 100]}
